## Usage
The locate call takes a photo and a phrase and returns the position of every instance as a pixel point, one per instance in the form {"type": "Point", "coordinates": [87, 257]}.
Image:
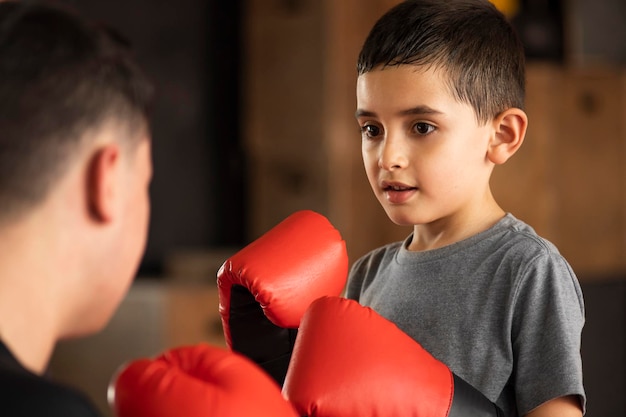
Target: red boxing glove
{"type": "Point", "coordinates": [265, 288]}
{"type": "Point", "coordinates": [350, 361]}
{"type": "Point", "coordinates": [197, 381]}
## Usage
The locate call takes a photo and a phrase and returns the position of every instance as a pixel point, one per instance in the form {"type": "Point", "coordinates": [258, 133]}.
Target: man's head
{"type": "Point", "coordinates": [75, 163]}
{"type": "Point", "coordinates": [60, 80]}
{"type": "Point", "coordinates": [470, 41]}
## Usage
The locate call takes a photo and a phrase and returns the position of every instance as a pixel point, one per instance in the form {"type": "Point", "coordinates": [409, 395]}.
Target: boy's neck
{"type": "Point", "coordinates": [450, 230]}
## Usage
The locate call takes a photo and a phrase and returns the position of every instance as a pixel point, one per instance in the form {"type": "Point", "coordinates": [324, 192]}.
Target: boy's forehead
{"type": "Point", "coordinates": [402, 86]}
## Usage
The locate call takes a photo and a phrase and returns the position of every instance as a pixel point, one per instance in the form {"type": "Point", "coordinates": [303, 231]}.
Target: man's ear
{"type": "Point", "coordinates": [102, 183]}
{"type": "Point", "coordinates": [509, 132]}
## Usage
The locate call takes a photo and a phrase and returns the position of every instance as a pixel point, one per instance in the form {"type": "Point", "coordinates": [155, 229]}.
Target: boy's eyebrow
{"type": "Point", "coordinates": [419, 110]}
{"type": "Point", "coordinates": [408, 112]}
{"type": "Point", "coordinates": [364, 113]}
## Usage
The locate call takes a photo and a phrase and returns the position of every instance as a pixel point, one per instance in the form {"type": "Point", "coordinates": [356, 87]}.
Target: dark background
{"type": "Point", "coordinates": [192, 51]}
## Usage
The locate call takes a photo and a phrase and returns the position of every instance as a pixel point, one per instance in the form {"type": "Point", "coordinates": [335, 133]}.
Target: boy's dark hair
{"type": "Point", "coordinates": [60, 78]}
{"type": "Point", "coordinates": [470, 40]}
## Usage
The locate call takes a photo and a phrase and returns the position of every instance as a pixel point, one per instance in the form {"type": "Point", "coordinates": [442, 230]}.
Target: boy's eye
{"type": "Point", "coordinates": [370, 130]}
{"type": "Point", "coordinates": [423, 128]}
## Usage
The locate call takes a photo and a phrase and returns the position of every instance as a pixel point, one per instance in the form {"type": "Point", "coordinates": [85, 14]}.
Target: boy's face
{"type": "Point", "coordinates": [424, 151]}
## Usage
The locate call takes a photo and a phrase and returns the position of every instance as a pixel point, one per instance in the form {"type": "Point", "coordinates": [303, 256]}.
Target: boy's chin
{"type": "Point", "coordinates": [400, 219]}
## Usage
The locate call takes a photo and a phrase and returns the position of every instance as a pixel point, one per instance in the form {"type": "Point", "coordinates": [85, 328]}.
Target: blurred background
{"type": "Point", "coordinates": [254, 120]}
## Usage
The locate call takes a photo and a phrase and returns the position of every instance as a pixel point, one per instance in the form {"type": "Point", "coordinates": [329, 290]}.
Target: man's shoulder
{"type": "Point", "coordinates": [25, 394]}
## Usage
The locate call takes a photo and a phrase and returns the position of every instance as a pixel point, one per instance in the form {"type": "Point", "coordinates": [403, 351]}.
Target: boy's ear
{"type": "Point", "coordinates": [102, 182]}
{"type": "Point", "coordinates": [509, 132]}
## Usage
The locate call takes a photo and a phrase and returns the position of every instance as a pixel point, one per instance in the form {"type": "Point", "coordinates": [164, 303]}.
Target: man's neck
{"type": "Point", "coordinates": [26, 329]}
{"type": "Point", "coordinates": [28, 316]}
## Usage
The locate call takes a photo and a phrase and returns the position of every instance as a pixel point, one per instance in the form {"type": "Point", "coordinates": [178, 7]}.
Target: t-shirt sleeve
{"type": "Point", "coordinates": [355, 279]}
{"type": "Point", "coordinates": [546, 333]}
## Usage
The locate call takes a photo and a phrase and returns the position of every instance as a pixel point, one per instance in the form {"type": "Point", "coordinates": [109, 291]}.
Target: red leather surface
{"type": "Point", "coordinates": [297, 261]}
{"type": "Point", "coordinates": [196, 381]}
{"type": "Point", "coordinates": [350, 361]}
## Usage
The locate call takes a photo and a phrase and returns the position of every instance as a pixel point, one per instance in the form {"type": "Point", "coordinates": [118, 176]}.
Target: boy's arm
{"type": "Point", "coordinates": [563, 406]}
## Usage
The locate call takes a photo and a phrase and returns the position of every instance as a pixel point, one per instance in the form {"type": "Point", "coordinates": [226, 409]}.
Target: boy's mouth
{"type": "Point", "coordinates": [397, 193]}
{"type": "Point", "coordinates": [398, 188]}
{"type": "Point", "coordinates": [388, 186]}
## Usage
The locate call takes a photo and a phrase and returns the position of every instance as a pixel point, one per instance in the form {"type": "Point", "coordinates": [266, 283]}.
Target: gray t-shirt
{"type": "Point", "coordinates": [503, 309]}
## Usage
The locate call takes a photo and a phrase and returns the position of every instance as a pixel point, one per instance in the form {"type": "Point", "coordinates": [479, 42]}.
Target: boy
{"type": "Point", "coordinates": [439, 98]}
{"type": "Point", "coordinates": [74, 174]}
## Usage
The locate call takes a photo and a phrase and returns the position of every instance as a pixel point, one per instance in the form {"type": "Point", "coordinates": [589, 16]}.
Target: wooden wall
{"type": "Point", "coordinates": [568, 179]}
{"type": "Point", "coordinates": [301, 136]}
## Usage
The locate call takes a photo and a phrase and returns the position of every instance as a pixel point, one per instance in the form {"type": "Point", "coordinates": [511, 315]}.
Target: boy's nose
{"type": "Point", "coordinates": [392, 154]}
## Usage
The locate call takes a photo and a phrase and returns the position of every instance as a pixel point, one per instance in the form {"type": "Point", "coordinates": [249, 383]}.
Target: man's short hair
{"type": "Point", "coordinates": [60, 78]}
